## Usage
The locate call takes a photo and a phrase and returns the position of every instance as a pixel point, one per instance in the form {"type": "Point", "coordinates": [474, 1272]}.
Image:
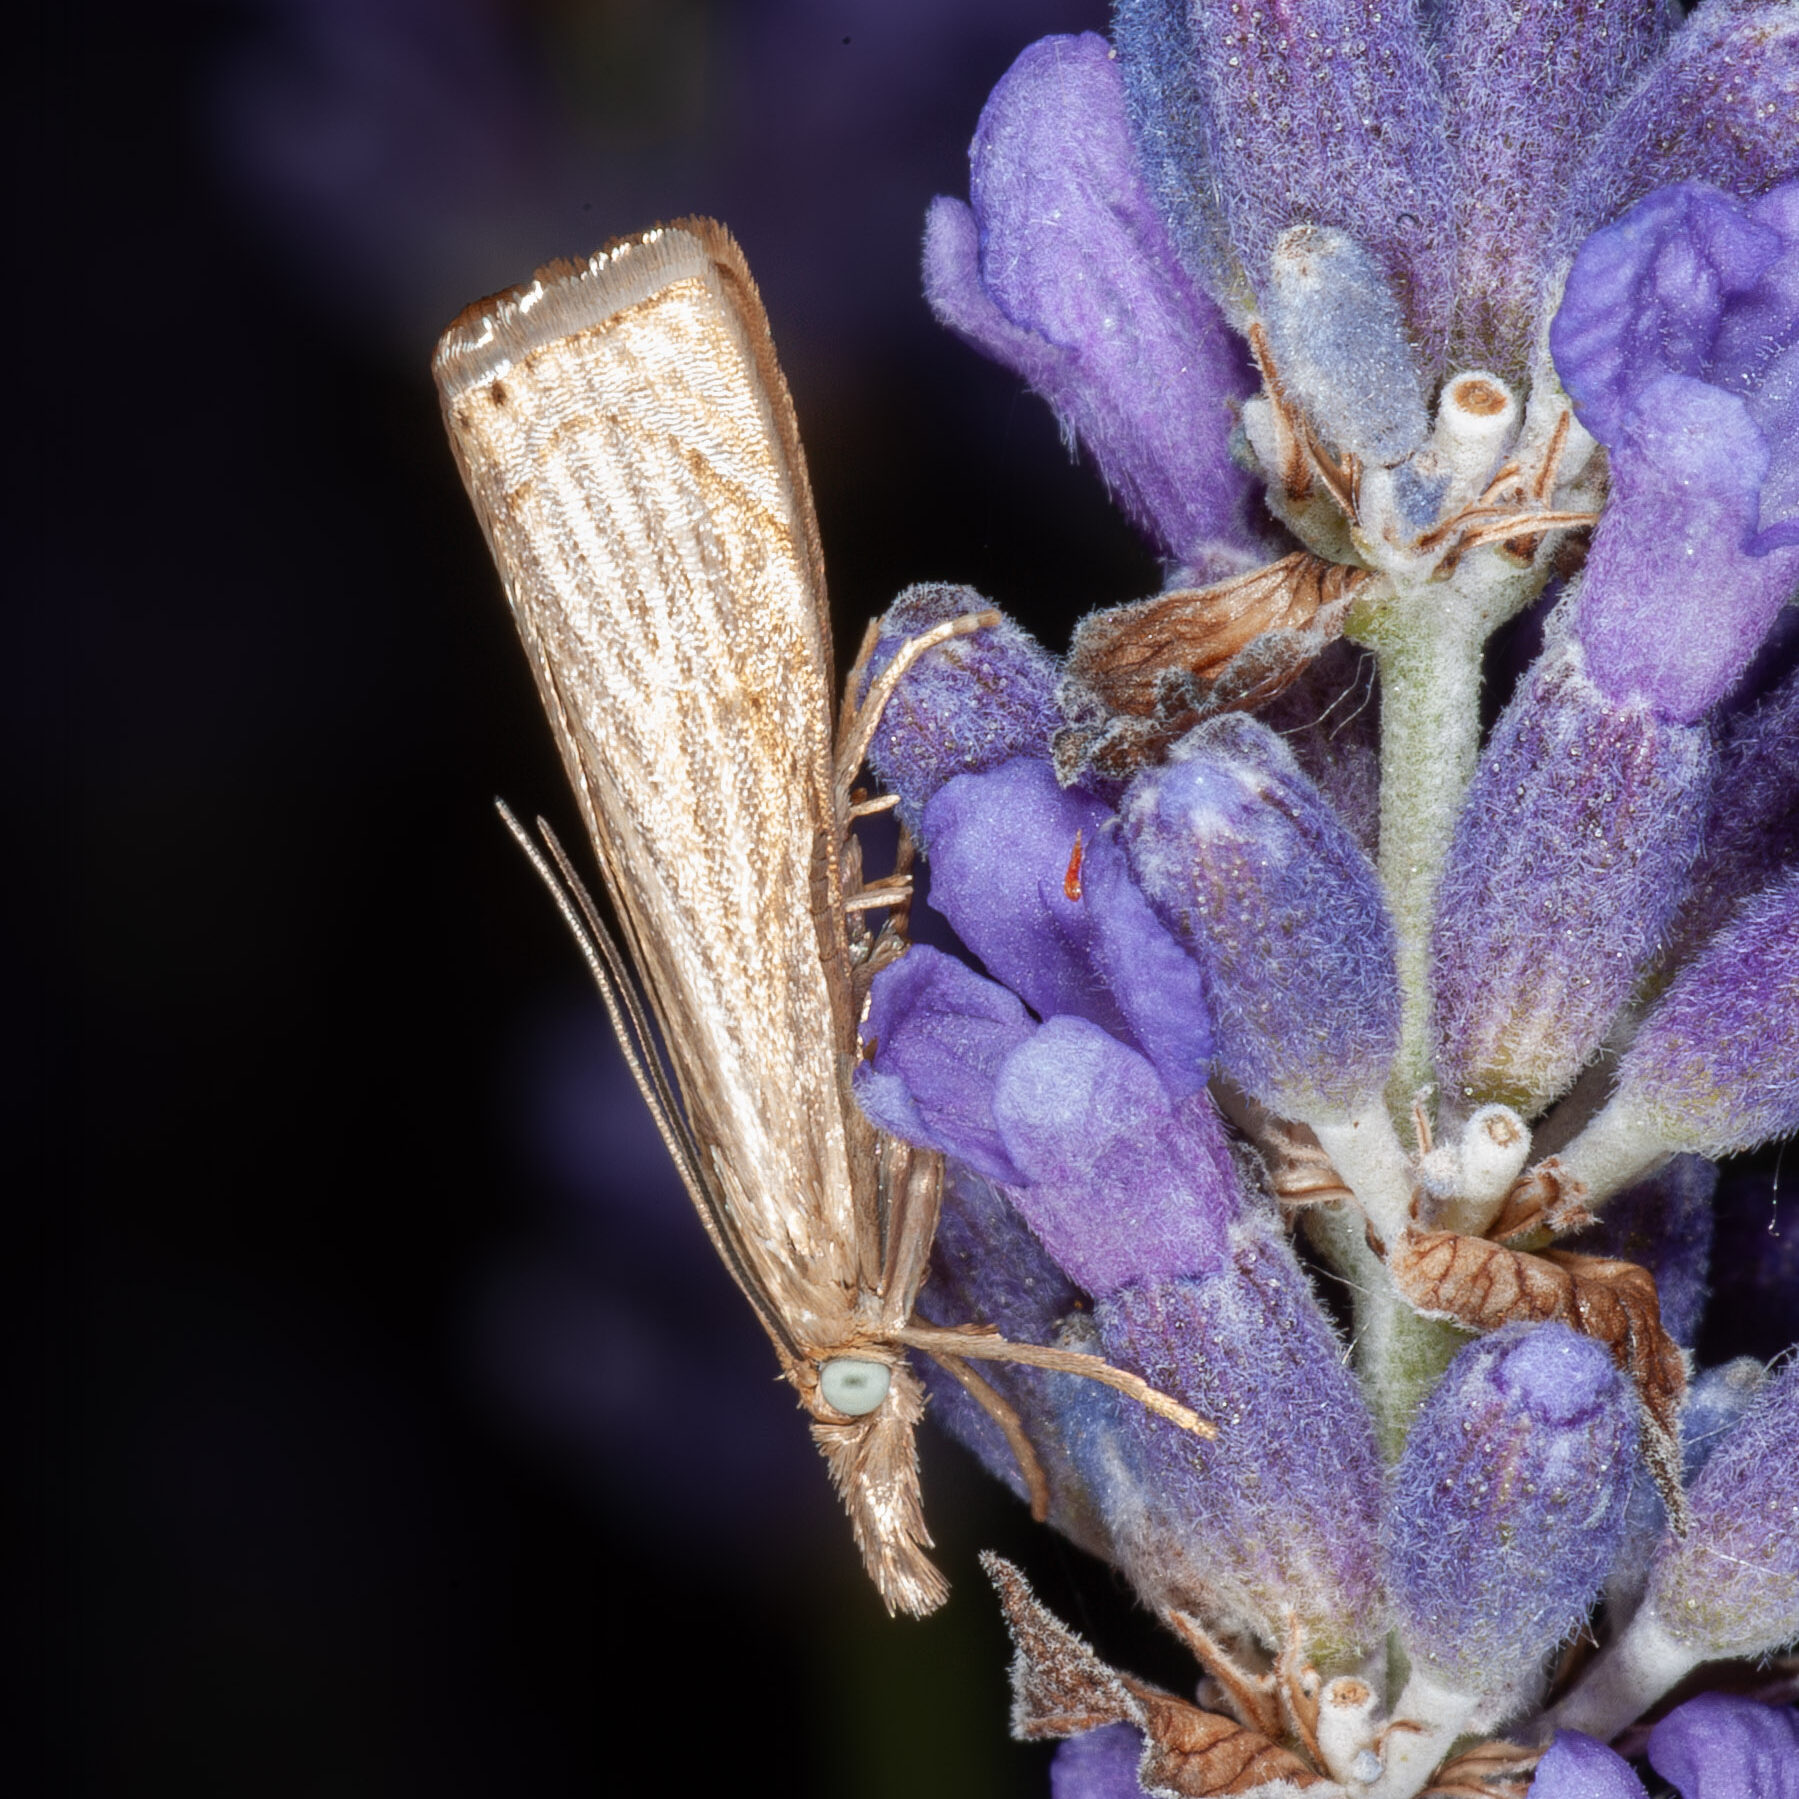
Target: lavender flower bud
{"type": "Point", "coordinates": [934, 1038]}
{"type": "Point", "coordinates": [1061, 269]}
{"type": "Point", "coordinates": [1521, 83]}
{"type": "Point", "coordinates": [1720, 1746]}
{"type": "Point", "coordinates": [1715, 1066]}
{"type": "Point", "coordinates": [1720, 106]}
{"type": "Point", "coordinates": [1568, 860]}
{"type": "Point", "coordinates": [1137, 1198]}
{"type": "Point", "coordinates": [967, 705]}
{"type": "Point", "coordinates": [1730, 1586]}
{"type": "Point", "coordinates": [1245, 863]}
{"type": "Point", "coordinates": [1340, 344]}
{"type": "Point", "coordinates": [1278, 1518]}
{"type": "Point", "coordinates": [1507, 1505]}
{"type": "Point", "coordinates": [1029, 876]}
{"type": "Point", "coordinates": [1329, 113]}
{"type": "Point", "coordinates": [1670, 340]}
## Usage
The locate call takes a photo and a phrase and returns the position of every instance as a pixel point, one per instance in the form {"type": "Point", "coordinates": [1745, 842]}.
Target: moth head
{"type": "Point", "coordinates": [854, 1385]}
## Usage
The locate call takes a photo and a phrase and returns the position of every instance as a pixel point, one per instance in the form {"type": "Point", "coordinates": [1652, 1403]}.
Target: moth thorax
{"type": "Point", "coordinates": [854, 1385]}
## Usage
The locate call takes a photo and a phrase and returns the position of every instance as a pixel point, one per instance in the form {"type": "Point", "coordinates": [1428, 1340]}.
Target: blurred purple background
{"type": "Point", "coordinates": [401, 1434]}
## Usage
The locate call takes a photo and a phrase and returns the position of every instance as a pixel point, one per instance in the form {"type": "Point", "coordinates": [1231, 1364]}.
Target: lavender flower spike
{"type": "Point", "coordinates": [1504, 1513]}
{"type": "Point", "coordinates": [1730, 1587]}
{"type": "Point", "coordinates": [1715, 1066]}
{"type": "Point", "coordinates": [1247, 865]}
{"type": "Point", "coordinates": [1061, 269]}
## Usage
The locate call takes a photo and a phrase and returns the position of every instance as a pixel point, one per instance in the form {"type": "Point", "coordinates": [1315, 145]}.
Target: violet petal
{"type": "Point", "coordinates": [1061, 269]}
{"type": "Point", "coordinates": [1577, 1767]}
{"type": "Point", "coordinates": [940, 1033]}
{"type": "Point", "coordinates": [1718, 1746]}
{"type": "Point", "coordinates": [1120, 1183]}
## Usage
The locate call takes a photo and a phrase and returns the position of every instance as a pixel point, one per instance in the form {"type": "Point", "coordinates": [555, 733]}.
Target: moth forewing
{"type": "Point", "coordinates": [627, 440]}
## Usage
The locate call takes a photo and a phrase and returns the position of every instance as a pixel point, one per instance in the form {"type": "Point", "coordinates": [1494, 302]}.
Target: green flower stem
{"type": "Point", "coordinates": [1399, 1356]}
{"type": "Point", "coordinates": [1429, 651]}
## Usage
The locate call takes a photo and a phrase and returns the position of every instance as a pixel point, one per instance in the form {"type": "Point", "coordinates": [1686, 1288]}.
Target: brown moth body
{"type": "Point", "coordinates": [625, 434]}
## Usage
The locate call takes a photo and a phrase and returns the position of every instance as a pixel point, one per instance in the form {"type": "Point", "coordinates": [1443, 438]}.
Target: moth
{"type": "Point", "coordinates": [626, 437]}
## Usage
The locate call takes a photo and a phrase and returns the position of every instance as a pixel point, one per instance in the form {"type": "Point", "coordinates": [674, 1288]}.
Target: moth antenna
{"type": "Point", "coordinates": [621, 1006]}
{"type": "Point", "coordinates": [610, 974]}
{"type": "Point", "coordinates": [986, 1346]}
{"type": "Point", "coordinates": [989, 1399]}
{"type": "Point", "coordinates": [625, 989]}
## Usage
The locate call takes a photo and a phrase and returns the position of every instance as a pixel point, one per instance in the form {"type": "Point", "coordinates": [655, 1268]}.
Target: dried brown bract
{"type": "Point", "coordinates": [1060, 1688]}
{"type": "Point", "coordinates": [1138, 676]}
{"type": "Point", "coordinates": [1495, 1770]}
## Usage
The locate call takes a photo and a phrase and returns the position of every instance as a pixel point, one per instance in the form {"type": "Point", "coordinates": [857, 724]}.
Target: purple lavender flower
{"type": "Point", "coordinates": [1061, 269]}
{"type": "Point", "coordinates": [1713, 1747]}
{"type": "Point", "coordinates": [1717, 1746]}
{"type": "Point", "coordinates": [1677, 340]}
{"type": "Point", "coordinates": [1032, 880]}
{"type": "Point", "coordinates": [1576, 1767]}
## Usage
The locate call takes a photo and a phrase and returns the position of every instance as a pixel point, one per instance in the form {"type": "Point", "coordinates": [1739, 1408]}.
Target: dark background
{"type": "Point", "coordinates": [403, 1436]}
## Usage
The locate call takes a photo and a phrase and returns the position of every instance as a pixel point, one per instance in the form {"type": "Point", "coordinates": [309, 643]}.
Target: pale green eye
{"type": "Point", "coordinates": [854, 1386]}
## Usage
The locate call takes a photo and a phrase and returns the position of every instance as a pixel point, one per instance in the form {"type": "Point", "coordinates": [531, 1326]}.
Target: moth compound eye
{"type": "Point", "coordinates": [854, 1386]}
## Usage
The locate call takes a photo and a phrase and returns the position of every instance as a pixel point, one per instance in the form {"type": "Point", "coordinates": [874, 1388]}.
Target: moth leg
{"type": "Point", "coordinates": [989, 1399]}
{"type": "Point", "coordinates": [852, 744]}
